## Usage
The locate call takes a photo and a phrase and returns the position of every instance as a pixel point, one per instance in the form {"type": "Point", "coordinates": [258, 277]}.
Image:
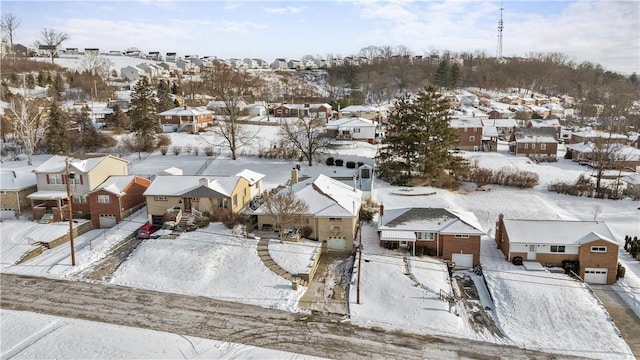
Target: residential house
{"type": "Point", "coordinates": [633, 184]}
{"type": "Point", "coordinates": [539, 111]}
{"type": "Point", "coordinates": [375, 113]}
{"type": "Point", "coordinates": [292, 110]}
{"type": "Point", "coordinates": [188, 67]}
{"type": "Point", "coordinates": [490, 138]}
{"type": "Point", "coordinates": [115, 199]}
{"type": "Point", "coordinates": [132, 73]}
{"type": "Point", "coordinates": [170, 57]}
{"type": "Point", "coordinates": [469, 131]}
{"type": "Point", "coordinates": [450, 234]}
{"type": "Point", "coordinates": [534, 142]}
{"type": "Point", "coordinates": [617, 156]}
{"type": "Point", "coordinates": [92, 51]}
{"type": "Point", "coordinates": [192, 194]}
{"type": "Point", "coordinates": [186, 118]}
{"type": "Point", "coordinates": [15, 187]}
{"type": "Point", "coordinates": [504, 127]}
{"type": "Point", "coordinates": [555, 243]}
{"type": "Point", "coordinates": [352, 128]}
{"type": "Point", "coordinates": [279, 64]}
{"type": "Point", "coordinates": [20, 50]}
{"type": "Point", "coordinates": [597, 136]}
{"type": "Point", "coordinates": [511, 100]}
{"type": "Point", "coordinates": [83, 176]}
{"type": "Point", "coordinates": [333, 211]}
{"type": "Point", "coordinates": [555, 110]}
{"type": "Point", "coordinates": [550, 123]}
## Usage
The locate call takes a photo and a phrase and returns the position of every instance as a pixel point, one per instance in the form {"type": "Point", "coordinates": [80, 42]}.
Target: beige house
{"type": "Point", "coordinates": [50, 202]}
{"type": "Point", "coordinates": [194, 194]}
{"type": "Point", "coordinates": [15, 186]}
{"type": "Point", "coordinates": [333, 211]}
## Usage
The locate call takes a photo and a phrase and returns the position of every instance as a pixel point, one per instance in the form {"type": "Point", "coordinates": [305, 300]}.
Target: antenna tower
{"type": "Point", "coordinates": [500, 27]}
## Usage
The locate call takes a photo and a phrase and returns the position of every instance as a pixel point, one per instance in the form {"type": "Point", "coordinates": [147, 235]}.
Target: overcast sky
{"type": "Point", "coordinates": [604, 32]}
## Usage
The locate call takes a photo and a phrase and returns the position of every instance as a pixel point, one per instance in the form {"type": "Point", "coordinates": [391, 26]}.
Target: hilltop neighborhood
{"type": "Point", "coordinates": [522, 266]}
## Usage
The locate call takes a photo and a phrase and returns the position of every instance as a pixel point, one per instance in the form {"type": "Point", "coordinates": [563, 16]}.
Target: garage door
{"type": "Point", "coordinates": [462, 260]}
{"type": "Point", "coordinates": [595, 275]}
{"type": "Point", "coordinates": [107, 220]}
{"type": "Point", "coordinates": [337, 244]}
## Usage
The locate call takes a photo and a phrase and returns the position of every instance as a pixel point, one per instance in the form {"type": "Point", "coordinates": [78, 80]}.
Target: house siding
{"type": "Point", "coordinates": [16, 200]}
{"type": "Point", "coordinates": [608, 260]}
{"type": "Point", "coordinates": [469, 140]}
{"type": "Point", "coordinates": [451, 245]}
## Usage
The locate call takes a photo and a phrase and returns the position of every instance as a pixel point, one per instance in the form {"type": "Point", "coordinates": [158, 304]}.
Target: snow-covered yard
{"type": "Point", "coordinates": [534, 310]}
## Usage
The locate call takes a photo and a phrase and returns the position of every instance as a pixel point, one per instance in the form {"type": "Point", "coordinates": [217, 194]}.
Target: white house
{"type": "Point", "coordinates": [352, 129]}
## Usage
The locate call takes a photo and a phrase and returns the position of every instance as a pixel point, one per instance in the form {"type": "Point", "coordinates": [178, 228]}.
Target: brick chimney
{"type": "Point", "coordinates": [381, 209]}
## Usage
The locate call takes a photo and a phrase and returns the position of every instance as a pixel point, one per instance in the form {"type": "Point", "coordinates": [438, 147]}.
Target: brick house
{"type": "Point", "coordinates": [551, 242]}
{"type": "Point", "coordinates": [115, 199]}
{"type": "Point", "coordinates": [469, 130]}
{"type": "Point", "coordinates": [450, 234]}
{"type": "Point", "coordinates": [185, 118]}
{"type": "Point", "coordinates": [333, 211]}
{"type": "Point", "coordinates": [51, 201]}
{"type": "Point", "coordinates": [292, 110]}
{"type": "Point", "coordinates": [534, 142]}
{"type": "Point", "coordinates": [15, 187]}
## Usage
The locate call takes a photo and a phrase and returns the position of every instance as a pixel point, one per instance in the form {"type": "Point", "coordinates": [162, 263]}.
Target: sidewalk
{"type": "Point", "coordinates": [625, 319]}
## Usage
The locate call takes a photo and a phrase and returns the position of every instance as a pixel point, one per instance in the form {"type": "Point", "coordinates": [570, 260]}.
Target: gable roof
{"type": "Point", "coordinates": [115, 184]}
{"type": "Point", "coordinates": [192, 186]}
{"type": "Point", "coordinates": [535, 135]}
{"type": "Point", "coordinates": [251, 176]}
{"type": "Point", "coordinates": [186, 111]}
{"type": "Point", "coordinates": [444, 221]}
{"type": "Point", "coordinates": [351, 122]}
{"type": "Point", "coordinates": [58, 164]}
{"type": "Point", "coordinates": [16, 180]}
{"type": "Point", "coordinates": [557, 232]}
{"type": "Point", "coordinates": [465, 122]}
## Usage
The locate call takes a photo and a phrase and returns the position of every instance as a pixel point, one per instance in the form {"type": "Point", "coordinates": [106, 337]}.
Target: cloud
{"type": "Point", "coordinates": [162, 4]}
{"type": "Point", "coordinates": [284, 10]}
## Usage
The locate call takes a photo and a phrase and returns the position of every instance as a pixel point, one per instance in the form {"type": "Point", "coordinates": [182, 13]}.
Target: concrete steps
{"type": "Point", "coordinates": [263, 253]}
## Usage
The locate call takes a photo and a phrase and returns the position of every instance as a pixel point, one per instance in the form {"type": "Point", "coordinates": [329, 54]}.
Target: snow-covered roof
{"type": "Point", "coordinates": [182, 185]}
{"type": "Point", "coordinates": [556, 232]}
{"type": "Point", "coordinates": [465, 122]}
{"type": "Point", "coordinates": [591, 133]}
{"type": "Point", "coordinates": [489, 131]}
{"type": "Point", "coordinates": [48, 195]}
{"type": "Point", "coordinates": [327, 197]}
{"type": "Point", "coordinates": [536, 135]}
{"type": "Point", "coordinates": [16, 180]}
{"type": "Point", "coordinates": [251, 176]}
{"type": "Point", "coordinates": [186, 111]}
{"type": "Point", "coordinates": [58, 164]}
{"type": "Point", "coordinates": [171, 171]}
{"type": "Point", "coordinates": [633, 179]}
{"type": "Point", "coordinates": [444, 221]}
{"type": "Point", "coordinates": [500, 123]}
{"type": "Point", "coordinates": [351, 122]}
{"type": "Point", "coordinates": [616, 151]}
{"type": "Point", "coordinates": [116, 184]}
{"type": "Point", "coordinates": [553, 106]}
{"type": "Point", "coordinates": [538, 123]}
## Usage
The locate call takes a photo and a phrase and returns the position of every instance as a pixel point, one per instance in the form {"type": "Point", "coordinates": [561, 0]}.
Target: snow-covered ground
{"type": "Point", "coordinates": [534, 310]}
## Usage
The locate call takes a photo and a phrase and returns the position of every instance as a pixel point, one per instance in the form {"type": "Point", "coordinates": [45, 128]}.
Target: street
{"type": "Point", "coordinates": [317, 334]}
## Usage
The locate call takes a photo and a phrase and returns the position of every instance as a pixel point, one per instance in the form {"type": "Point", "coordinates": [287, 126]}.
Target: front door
{"type": "Point", "coordinates": [531, 253]}
{"type": "Point", "coordinates": [187, 204]}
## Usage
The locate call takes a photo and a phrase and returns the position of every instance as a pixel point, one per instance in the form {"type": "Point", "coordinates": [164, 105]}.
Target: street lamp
{"type": "Point", "coordinates": [70, 176]}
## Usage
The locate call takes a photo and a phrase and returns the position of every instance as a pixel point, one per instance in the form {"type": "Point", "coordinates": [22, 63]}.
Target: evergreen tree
{"type": "Point", "coordinates": [454, 76]}
{"type": "Point", "coordinates": [143, 114]}
{"type": "Point", "coordinates": [164, 96]}
{"type": "Point", "coordinates": [119, 121]}
{"type": "Point", "coordinates": [175, 88]}
{"type": "Point", "coordinates": [30, 80]}
{"type": "Point", "coordinates": [42, 79]}
{"type": "Point", "coordinates": [418, 140]}
{"type": "Point", "coordinates": [441, 77]}
{"type": "Point", "coordinates": [88, 136]}
{"type": "Point", "coordinates": [57, 134]}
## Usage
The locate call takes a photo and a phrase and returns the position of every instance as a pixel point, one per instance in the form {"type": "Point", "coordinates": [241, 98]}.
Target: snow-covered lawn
{"type": "Point", "coordinates": [295, 257]}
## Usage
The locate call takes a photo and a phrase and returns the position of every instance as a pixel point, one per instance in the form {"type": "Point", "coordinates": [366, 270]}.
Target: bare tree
{"type": "Point", "coordinates": [96, 65]}
{"type": "Point", "coordinates": [230, 85]}
{"type": "Point", "coordinates": [286, 209]}
{"type": "Point", "coordinates": [9, 25]}
{"type": "Point", "coordinates": [307, 135]}
{"type": "Point", "coordinates": [52, 39]}
{"type": "Point", "coordinates": [27, 121]}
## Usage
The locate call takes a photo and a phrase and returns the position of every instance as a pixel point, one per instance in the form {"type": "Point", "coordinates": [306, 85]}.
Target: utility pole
{"type": "Point", "coordinates": [359, 262]}
{"type": "Point", "coordinates": [70, 176]}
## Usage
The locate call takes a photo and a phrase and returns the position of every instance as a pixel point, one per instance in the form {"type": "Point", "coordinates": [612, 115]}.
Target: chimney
{"type": "Point", "coordinates": [204, 182]}
{"type": "Point", "coordinates": [381, 209]}
{"type": "Point", "coordinates": [294, 176]}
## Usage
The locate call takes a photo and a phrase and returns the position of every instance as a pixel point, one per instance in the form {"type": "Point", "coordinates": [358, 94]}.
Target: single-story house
{"type": "Point", "coordinates": [618, 156]}
{"type": "Point", "coordinates": [15, 187]}
{"type": "Point", "coordinates": [633, 184]}
{"type": "Point", "coordinates": [534, 142]}
{"type": "Point", "coordinates": [115, 199]}
{"type": "Point", "coordinates": [555, 242]}
{"type": "Point", "coordinates": [333, 211]}
{"type": "Point", "coordinates": [450, 234]}
{"type": "Point", "coordinates": [186, 118]}
{"type": "Point", "coordinates": [352, 129]}
{"type": "Point", "coordinates": [590, 135]}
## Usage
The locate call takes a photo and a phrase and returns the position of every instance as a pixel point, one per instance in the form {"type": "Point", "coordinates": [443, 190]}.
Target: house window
{"type": "Point", "coordinates": [465, 130]}
{"type": "Point", "coordinates": [461, 236]}
{"type": "Point", "coordinates": [223, 203]}
{"type": "Point", "coordinates": [194, 199]}
{"type": "Point", "coordinates": [335, 219]}
{"type": "Point", "coordinates": [557, 248]}
{"type": "Point", "coordinates": [54, 179]}
{"type": "Point", "coordinates": [533, 146]}
{"type": "Point", "coordinates": [76, 180]}
{"type": "Point", "coordinates": [425, 235]}
{"type": "Point", "coordinates": [599, 249]}
{"type": "Point", "coordinates": [472, 138]}
{"type": "Point", "coordinates": [160, 198]}
{"type": "Point", "coordinates": [526, 146]}
{"type": "Point", "coordinates": [104, 199]}
{"type": "Point", "coordinates": [235, 200]}
{"type": "Point", "coordinates": [79, 199]}
{"type": "Point", "coordinates": [543, 146]}
{"type": "Point", "coordinates": [356, 131]}
{"type": "Point", "coordinates": [167, 117]}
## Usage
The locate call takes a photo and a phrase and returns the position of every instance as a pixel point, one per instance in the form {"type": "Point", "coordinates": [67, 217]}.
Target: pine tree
{"type": "Point", "coordinates": [57, 133]}
{"type": "Point", "coordinates": [119, 121]}
{"type": "Point", "coordinates": [418, 139]}
{"type": "Point", "coordinates": [442, 76]}
{"type": "Point", "coordinates": [454, 76]}
{"type": "Point", "coordinates": [143, 115]}
{"type": "Point", "coordinates": [164, 96]}
{"type": "Point", "coordinates": [88, 136]}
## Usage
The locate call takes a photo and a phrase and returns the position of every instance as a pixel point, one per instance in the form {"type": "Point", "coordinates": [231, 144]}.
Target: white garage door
{"type": "Point", "coordinates": [462, 260]}
{"type": "Point", "coordinates": [595, 275]}
{"type": "Point", "coordinates": [107, 220]}
{"type": "Point", "coordinates": [336, 244]}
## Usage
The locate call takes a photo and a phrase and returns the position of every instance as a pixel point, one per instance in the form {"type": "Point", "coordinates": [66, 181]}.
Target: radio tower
{"type": "Point", "coordinates": [500, 27]}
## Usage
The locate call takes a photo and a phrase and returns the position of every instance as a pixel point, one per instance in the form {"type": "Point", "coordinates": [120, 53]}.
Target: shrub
{"type": "Point", "coordinates": [202, 221]}
{"type": "Point", "coordinates": [163, 150]}
{"type": "Point", "coordinates": [621, 271]}
{"type": "Point", "coordinates": [306, 231]}
{"type": "Point", "coordinates": [339, 162]}
{"type": "Point", "coordinates": [351, 164]}
{"type": "Point", "coordinates": [368, 210]}
{"type": "Point", "coordinates": [176, 150]}
{"type": "Point", "coordinates": [208, 150]}
{"type": "Point", "coordinates": [231, 220]}
{"type": "Point", "coordinates": [164, 140]}
{"type": "Point", "coordinates": [330, 161]}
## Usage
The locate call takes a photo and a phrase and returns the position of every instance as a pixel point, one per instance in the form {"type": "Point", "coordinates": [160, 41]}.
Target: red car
{"type": "Point", "coordinates": [146, 231]}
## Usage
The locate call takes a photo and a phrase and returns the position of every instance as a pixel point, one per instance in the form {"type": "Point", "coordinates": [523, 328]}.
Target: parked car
{"type": "Point", "coordinates": [147, 231]}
